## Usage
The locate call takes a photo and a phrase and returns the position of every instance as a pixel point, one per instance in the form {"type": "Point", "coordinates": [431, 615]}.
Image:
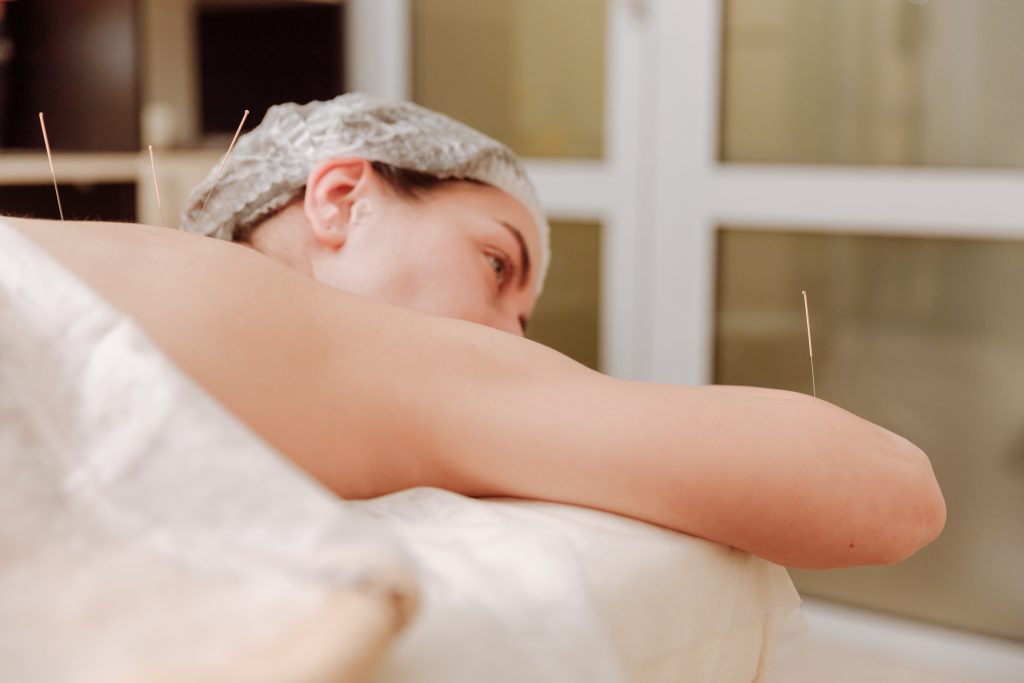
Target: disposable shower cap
{"type": "Point", "coordinates": [270, 164]}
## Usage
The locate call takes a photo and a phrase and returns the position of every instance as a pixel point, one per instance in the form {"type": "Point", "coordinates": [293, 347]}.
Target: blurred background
{"type": "Point", "coordinates": [703, 162]}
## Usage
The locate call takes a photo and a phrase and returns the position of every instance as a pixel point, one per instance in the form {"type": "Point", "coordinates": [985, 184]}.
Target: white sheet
{"type": "Point", "coordinates": [144, 529]}
{"type": "Point", "coordinates": [145, 534]}
{"type": "Point", "coordinates": [533, 591]}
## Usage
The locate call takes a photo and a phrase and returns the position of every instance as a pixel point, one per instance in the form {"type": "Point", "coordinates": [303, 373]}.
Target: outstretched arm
{"type": "Point", "coordinates": [784, 476]}
{"type": "Point", "coordinates": [371, 399]}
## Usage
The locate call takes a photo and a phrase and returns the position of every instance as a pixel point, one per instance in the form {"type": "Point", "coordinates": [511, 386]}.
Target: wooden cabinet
{"type": "Point", "coordinates": [115, 76]}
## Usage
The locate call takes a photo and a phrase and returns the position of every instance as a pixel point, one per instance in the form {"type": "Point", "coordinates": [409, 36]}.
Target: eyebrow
{"type": "Point", "coordinates": [524, 254]}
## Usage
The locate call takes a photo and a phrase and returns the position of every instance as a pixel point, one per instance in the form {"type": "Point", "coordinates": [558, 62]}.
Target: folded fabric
{"type": "Point", "coordinates": [516, 590]}
{"type": "Point", "coordinates": [145, 533]}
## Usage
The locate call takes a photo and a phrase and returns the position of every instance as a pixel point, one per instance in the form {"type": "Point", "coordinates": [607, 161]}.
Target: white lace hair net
{"type": "Point", "coordinates": [271, 163]}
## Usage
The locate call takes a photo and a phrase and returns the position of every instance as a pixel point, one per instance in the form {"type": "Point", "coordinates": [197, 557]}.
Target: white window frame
{"type": "Point", "coordinates": [695, 193]}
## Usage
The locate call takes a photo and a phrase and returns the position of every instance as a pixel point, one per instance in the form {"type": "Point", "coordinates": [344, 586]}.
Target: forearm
{"type": "Point", "coordinates": [797, 480]}
{"type": "Point", "coordinates": [781, 475]}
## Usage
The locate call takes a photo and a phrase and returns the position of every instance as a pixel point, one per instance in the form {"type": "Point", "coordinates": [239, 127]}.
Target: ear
{"type": "Point", "coordinates": [332, 187]}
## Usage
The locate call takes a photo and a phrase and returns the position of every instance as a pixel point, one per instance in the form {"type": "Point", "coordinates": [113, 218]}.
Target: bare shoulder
{"type": "Point", "coordinates": [255, 334]}
{"type": "Point", "coordinates": [104, 255]}
{"type": "Point", "coordinates": [190, 293]}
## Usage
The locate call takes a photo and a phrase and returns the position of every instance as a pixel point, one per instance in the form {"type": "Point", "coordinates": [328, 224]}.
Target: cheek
{"type": "Point", "coordinates": [453, 288]}
{"type": "Point", "coordinates": [431, 266]}
{"type": "Point", "coordinates": [453, 285]}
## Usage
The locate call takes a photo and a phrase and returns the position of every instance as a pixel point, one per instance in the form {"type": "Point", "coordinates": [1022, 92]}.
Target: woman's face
{"type": "Point", "coordinates": [463, 250]}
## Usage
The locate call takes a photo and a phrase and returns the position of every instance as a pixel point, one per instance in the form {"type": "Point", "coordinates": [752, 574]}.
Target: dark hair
{"type": "Point", "coordinates": [409, 184]}
{"type": "Point", "coordinates": [401, 181]}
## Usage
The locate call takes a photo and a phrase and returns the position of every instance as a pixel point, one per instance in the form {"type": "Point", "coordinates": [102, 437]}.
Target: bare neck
{"type": "Point", "coordinates": [286, 237]}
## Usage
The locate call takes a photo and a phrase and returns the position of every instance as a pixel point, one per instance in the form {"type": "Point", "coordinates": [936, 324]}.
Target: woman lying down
{"type": "Point", "coordinates": [363, 312]}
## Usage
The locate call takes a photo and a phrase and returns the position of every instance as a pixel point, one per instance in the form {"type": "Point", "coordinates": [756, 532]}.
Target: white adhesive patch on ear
{"type": "Point", "coordinates": [361, 209]}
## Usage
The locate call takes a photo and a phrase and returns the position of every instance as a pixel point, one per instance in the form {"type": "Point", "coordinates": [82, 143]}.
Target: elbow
{"type": "Point", "coordinates": [904, 512]}
{"type": "Point", "coordinates": [893, 536]}
{"type": "Point", "coordinates": [918, 516]}
{"type": "Point", "coordinates": [923, 524]}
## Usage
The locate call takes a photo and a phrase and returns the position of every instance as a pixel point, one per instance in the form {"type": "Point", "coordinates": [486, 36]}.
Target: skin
{"type": "Point", "coordinates": [371, 398]}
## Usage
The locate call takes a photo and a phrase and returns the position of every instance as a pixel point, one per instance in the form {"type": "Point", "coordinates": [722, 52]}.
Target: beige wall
{"type": "Point", "coordinates": [874, 81]}
{"type": "Point", "coordinates": [529, 72]}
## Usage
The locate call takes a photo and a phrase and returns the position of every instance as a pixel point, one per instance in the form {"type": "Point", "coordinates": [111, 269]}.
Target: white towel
{"type": "Point", "coordinates": [145, 533]}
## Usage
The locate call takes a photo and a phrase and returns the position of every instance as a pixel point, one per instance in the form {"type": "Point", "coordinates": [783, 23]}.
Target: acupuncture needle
{"type": "Point", "coordinates": [222, 162]}
{"type": "Point", "coordinates": [156, 185]}
{"type": "Point", "coordinates": [49, 158]}
{"type": "Point", "coordinates": [810, 347]}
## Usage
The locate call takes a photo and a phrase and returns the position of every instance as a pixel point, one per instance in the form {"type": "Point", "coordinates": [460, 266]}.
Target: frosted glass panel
{"type": "Point", "coordinates": [568, 315]}
{"type": "Point", "coordinates": [527, 72]}
{"type": "Point", "coordinates": [899, 82]}
{"type": "Point", "coordinates": [925, 337]}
